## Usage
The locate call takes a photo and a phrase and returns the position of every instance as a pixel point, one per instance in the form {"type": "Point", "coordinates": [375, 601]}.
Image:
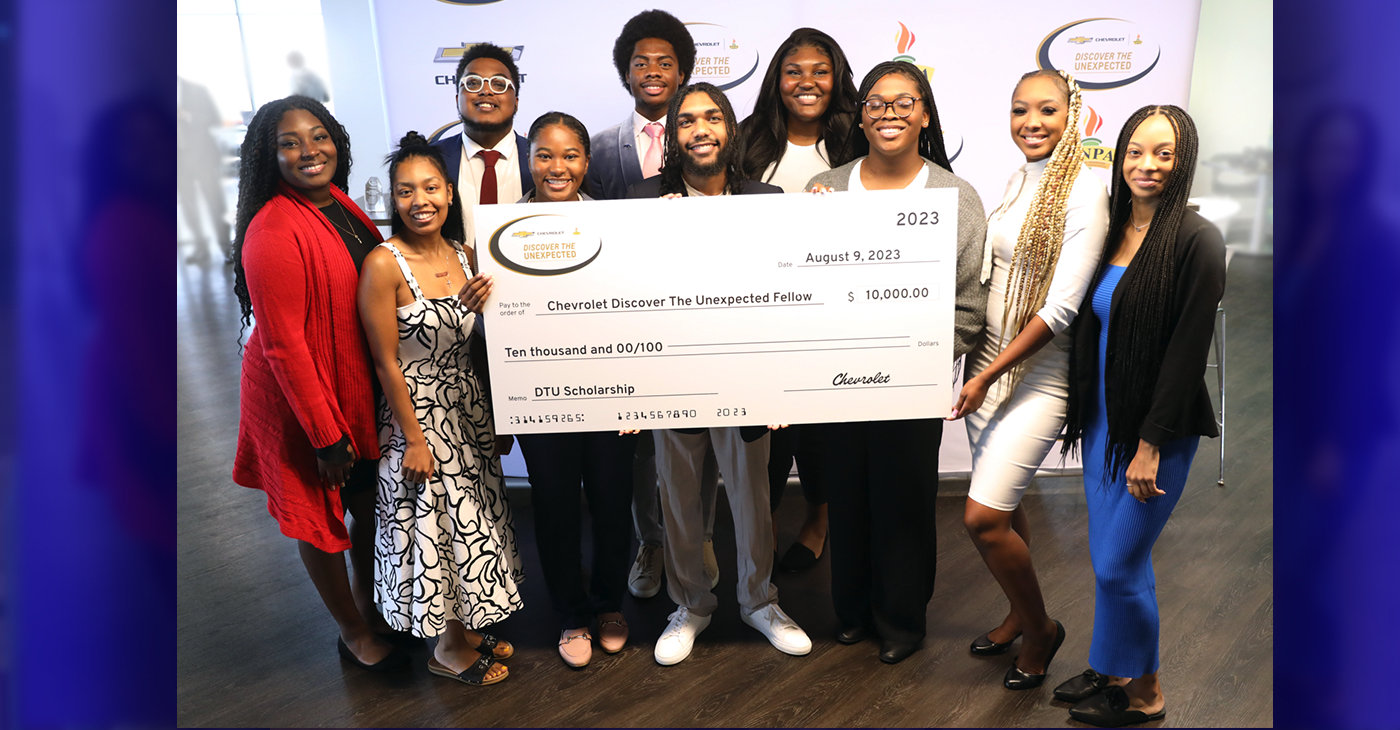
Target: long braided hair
{"type": "Point", "coordinates": [671, 179]}
{"type": "Point", "coordinates": [1139, 332]}
{"type": "Point", "coordinates": [413, 145]}
{"type": "Point", "coordinates": [258, 176]}
{"type": "Point", "coordinates": [930, 137]}
{"type": "Point", "coordinates": [765, 130]}
{"type": "Point", "coordinates": [1043, 231]}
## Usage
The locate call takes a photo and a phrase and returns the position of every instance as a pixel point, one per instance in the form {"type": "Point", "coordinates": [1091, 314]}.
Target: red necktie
{"type": "Point", "coordinates": [488, 180]}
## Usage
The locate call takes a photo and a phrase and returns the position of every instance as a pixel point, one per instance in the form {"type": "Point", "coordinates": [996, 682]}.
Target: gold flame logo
{"type": "Point", "coordinates": [1093, 123]}
{"type": "Point", "coordinates": [904, 39]}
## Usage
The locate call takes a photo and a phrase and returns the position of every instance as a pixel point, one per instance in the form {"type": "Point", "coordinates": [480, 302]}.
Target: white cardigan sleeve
{"type": "Point", "coordinates": [1086, 224]}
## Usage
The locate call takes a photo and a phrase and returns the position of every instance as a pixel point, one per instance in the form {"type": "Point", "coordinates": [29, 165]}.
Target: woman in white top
{"type": "Point", "coordinates": [800, 126]}
{"type": "Point", "coordinates": [1043, 244]}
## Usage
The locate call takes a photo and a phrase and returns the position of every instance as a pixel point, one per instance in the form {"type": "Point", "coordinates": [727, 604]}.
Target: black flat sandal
{"type": "Point", "coordinates": [474, 675]}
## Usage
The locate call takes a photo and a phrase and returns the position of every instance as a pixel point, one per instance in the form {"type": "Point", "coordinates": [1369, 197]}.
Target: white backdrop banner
{"type": "Point", "coordinates": [1124, 53]}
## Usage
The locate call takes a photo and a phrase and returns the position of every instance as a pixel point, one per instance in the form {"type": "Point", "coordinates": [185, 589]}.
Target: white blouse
{"type": "Point", "coordinates": [1086, 223]}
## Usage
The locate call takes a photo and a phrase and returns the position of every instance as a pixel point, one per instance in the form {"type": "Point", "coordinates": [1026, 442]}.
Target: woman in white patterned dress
{"type": "Point", "coordinates": [446, 551]}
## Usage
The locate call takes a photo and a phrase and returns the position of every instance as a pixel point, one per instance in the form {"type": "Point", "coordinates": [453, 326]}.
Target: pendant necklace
{"type": "Point", "coordinates": [350, 230]}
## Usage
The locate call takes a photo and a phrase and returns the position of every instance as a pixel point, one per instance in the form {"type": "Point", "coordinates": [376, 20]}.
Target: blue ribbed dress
{"type": "Point", "coordinates": [1122, 530]}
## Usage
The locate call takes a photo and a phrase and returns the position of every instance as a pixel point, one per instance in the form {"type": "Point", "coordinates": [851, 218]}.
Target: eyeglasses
{"type": "Point", "coordinates": [903, 107]}
{"type": "Point", "coordinates": [473, 83]}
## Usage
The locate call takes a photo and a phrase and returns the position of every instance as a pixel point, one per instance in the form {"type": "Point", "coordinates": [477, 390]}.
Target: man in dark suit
{"type": "Point", "coordinates": [488, 161]}
{"type": "Point", "coordinates": [703, 150]}
{"type": "Point", "coordinates": [654, 56]}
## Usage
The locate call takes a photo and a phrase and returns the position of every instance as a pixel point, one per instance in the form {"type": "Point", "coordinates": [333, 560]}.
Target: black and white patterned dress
{"type": "Point", "coordinates": [445, 549]}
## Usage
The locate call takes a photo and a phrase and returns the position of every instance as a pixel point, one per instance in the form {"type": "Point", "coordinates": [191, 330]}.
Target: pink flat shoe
{"type": "Point", "coordinates": [612, 634]}
{"type": "Point", "coordinates": [576, 647]}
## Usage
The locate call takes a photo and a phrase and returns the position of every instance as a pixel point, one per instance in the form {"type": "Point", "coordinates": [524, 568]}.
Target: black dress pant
{"type": "Point", "coordinates": [602, 462]}
{"type": "Point", "coordinates": [883, 488]}
{"type": "Point", "coordinates": [805, 443]}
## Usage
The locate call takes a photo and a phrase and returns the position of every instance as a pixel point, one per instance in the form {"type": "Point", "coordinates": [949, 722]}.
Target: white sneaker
{"type": "Point", "coordinates": [782, 632]}
{"type": "Point", "coordinates": [711, 564]}
{"type": "Point", "coordinates": [678, 638]}
{"type": "Point", "coordinates": [645, 579]}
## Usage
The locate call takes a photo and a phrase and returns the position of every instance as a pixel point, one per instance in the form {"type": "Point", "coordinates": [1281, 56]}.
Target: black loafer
{"type": "Point", "coordinates": [394, 661]}
{"type": "Point", "coordinates": [894, 652]}
{"type": "Point", "coordinates": [853, 634]}
{"type": "Point", "coordinates": [1080, 688]}
{"type": "Point", "coordinates": [984, 646]}
{"type": "Point", "coordinates": [1109, 708]}
{"type": "Point", "coordinates": [1018, 680]}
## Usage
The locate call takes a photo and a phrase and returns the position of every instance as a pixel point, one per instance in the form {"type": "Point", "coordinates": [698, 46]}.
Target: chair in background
{"type": "Point", "coordinates": [1219, 366]}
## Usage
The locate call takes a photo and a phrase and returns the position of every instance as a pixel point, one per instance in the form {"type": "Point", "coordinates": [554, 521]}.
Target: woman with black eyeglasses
{"type": "Point", "coordinates": [883, 475]}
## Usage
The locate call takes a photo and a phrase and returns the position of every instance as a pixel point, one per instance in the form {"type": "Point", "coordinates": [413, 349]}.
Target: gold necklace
{"type": "Point", "coordinates": [351, 228]}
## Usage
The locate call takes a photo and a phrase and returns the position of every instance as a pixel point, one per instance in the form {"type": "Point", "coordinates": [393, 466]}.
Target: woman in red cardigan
{"type": "Point", "coordinates": [306, 433]}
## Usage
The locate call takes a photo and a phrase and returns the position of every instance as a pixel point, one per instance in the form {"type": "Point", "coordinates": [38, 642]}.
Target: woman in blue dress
{"type": "Point", "coordinates": [1138, 403]}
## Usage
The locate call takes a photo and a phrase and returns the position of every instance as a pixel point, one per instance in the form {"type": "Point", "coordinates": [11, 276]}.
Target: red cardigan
{"type": "Point", "coordinates": [306, 369]}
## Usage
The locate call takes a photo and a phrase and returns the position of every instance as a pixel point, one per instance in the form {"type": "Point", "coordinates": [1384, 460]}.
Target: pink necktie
{"type": "Point", "coordinates": [651, 165]}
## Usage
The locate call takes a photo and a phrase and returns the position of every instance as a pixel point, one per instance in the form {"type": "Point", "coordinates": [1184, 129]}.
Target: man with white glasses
{"type": "Point", "coordinates": [488, 160]}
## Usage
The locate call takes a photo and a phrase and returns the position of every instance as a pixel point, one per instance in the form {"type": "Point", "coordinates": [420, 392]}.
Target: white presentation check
{"type": "Point", "coordinates": [721, 311]}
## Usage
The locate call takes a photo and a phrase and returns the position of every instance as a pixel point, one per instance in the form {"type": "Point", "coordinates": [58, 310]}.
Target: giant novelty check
{"type": "Point", "coordinates": [720, 311]}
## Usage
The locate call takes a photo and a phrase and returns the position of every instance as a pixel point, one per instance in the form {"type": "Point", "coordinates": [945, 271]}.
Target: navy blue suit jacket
{"type": "Point", "coordinates": [614, 167]}
{"type": "Point", "coordinates": [452, 154]}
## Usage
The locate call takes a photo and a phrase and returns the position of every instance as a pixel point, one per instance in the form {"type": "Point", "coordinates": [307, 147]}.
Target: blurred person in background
{"type": "Point", "coordinates": [305, 82]}
{"type": "Point", "coordinates": [200, 162]}
{"type": "Point", "coordinates": [306, 430]}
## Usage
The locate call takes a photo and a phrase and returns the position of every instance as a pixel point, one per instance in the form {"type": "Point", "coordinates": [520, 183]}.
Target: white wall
{"type": "Point", "coordinates": [1232, 83]}
{"type": "Point", "coordinates": [357, 87]}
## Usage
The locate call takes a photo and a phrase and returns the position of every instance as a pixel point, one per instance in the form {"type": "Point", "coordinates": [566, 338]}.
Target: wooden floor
{"type": "Point", "coordinates": [257, 648]}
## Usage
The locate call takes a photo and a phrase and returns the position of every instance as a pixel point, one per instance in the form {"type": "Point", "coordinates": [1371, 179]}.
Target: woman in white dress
{"type": "Point", "coordinates": [448, 564]}
{"type": "Point", "coordinates": [1043, 243]}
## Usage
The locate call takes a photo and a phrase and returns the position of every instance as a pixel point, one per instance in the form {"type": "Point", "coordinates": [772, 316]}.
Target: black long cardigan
{"type": "Point", "coordinates": [1180, 403]}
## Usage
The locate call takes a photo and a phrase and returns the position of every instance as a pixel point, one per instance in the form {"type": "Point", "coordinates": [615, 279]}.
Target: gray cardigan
{"type": "Point", "coordinates": [970, 313]}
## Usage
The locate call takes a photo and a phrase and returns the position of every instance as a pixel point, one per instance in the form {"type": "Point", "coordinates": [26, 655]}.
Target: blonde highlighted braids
{"type": "Point", "coordinates": [1043, 232]}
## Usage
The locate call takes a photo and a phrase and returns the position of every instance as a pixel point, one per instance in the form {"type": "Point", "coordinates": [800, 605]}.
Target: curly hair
{"type": "Point", "coordinates": [571, 123]}
{"type": "Point", "coordinates": [414, 145]}
{"type": "Point", "coordinates": [671, 170]}
{"type": "Point", "coordinates": [765, 130]}
{"type": "Point", "coordinates": [1139, 331]}
{"type": "Point", "coordinates": [492, 51]}
{"type": "Point", "coordinates": [259, 177]}
{"type": "Point", "coordinates": [654, 24]}
{"type": "Point", "coordinates": [930, 137]}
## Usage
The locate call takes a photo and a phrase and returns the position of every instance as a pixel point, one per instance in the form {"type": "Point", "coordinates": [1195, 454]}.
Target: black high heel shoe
{"type": "Point", "coordinates": [984, 646]}
{"type": "Point", "coordinates": [1017, 679]}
